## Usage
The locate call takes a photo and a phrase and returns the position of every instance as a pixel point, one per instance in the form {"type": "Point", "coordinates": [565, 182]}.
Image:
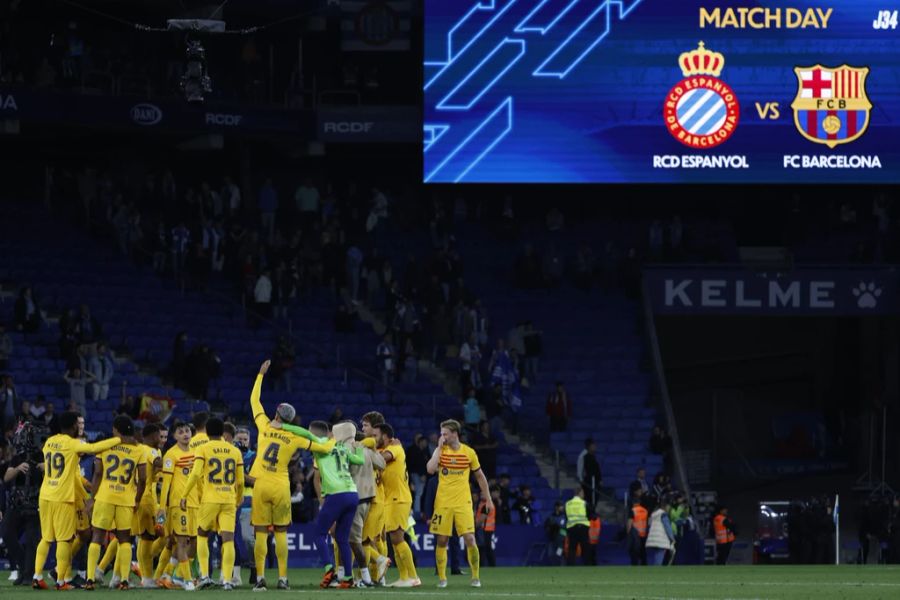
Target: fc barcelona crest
{"type": "Point", "coordinates": [831, 106]}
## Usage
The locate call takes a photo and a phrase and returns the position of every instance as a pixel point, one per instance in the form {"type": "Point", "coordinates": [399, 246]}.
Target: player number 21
{"type": "Point", "coordinates": [886, 20]}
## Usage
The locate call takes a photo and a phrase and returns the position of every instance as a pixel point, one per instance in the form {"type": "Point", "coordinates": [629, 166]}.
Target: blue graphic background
{"type": "Point", "coordinates": [572, 91]}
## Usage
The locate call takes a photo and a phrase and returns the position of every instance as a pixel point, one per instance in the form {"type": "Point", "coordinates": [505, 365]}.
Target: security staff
{"type": "Point", "coordinates": [724, 530]}
{"type": "Point", "coordinates": [636, 528]}
{"type": "Point", "coordinates": [577, 527]}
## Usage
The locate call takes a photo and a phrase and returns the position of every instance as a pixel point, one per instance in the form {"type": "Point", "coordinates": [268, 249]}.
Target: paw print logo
{"type": "Point", "coordinates": [867, 294]}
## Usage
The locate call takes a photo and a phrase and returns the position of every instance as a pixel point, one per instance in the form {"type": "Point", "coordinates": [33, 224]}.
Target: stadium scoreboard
{"type": "Point", "coordinates": [661, 91]}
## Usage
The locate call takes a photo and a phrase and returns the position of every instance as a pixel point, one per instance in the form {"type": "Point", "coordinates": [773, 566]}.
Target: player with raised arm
{"type": "Point", "coordinates": [398, 503]}
{"type": "Point", "coordinates": [456, 462]}
{"type": "Point", "coordinates": [180, 523]}
{"type": "Point", "coordinates": [120, 475]}
{"type": "Point", "coordinates": [221, 467]}
{"type": "Point", "coordinates": [271, 500]}
{"type": "Point", "coordinates": [57, 496]}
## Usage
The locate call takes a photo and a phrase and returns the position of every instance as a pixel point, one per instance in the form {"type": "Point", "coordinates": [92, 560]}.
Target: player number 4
{"type": "Point", "coordinates": [886, 20]}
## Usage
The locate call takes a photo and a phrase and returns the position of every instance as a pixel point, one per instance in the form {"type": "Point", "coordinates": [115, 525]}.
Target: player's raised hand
{"type": "Point", "coordinates": [264, 368]}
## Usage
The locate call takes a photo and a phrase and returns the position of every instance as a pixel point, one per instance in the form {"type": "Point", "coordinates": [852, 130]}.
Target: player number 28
{"type": "Point", "coordinates": [229, 467]}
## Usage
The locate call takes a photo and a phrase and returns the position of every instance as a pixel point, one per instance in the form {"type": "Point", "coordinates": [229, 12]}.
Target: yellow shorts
{"type": "Point", "coordinates": [111, 517]}
{"type": "Point", "coordinates": [217, 517]}
{"type": "Point", "coordinates": [144, 520]}
{"type": "Point", "coordinates": [181, 522]}
{"type": "Point", "coordinates": [445, 518]}
{"type": "Point", "coordinates": [82, 522]}
{"type": "Point", "coordinates": [396, 516]}
{"type": "Point", "coordinates": [57, 520]}
{"type": "Point", "coordinates": [271, 505]}
{"type": "Point", "coordinates": [374, 525]}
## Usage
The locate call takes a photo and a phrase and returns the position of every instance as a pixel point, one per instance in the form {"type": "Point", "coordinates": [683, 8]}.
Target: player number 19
{"type": "Point", "coordinates": [886, 20]}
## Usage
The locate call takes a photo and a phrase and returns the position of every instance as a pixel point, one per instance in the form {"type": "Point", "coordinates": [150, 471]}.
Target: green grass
{"type": "Point", "coordinates": [619, 583]}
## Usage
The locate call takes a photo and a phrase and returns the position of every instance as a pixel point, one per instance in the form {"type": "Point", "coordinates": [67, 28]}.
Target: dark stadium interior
{"type": "Point", "coordinates": [738, 344]}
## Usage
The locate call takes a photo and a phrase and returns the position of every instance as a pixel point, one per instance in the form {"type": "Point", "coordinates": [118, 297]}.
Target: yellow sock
{"type": "Point", "coordinates": [203, 555]}
{"type": "Point", "coordinates": [227, 560]}
{"type": "Point", "coordinates": [337, 554]}
{"type": "Point", "coordinates": [381, 545]}
{"type": "Point", "coordinates": [440, 557]}
{"type": "Point", "coordinates": [410, 564]}
{"type": "Point", "coordinates": [474, 560]}
{"type": "Point", "coordinates": [184, 570]}
{"type": "Point", "coordinates": [123, 559]}
{"type": "Point", "coordinates": [63, 559]}
{"type": "Point", "coordinates": [145, 556]}
{"type": "Point", "coordinates": [40, 557]}
{"type": "Point", "coordinates": [158, 546]}
{"type": "Point", "coordinates": [112, 551]}
{"type": "Point", "coordinates": [163, 562]}
{"type": "Point", "coordinates": [76, 546]}
{"type": "Point", "coordinates": [259, 553]}
{"type": "Point", "coordinates": [281, 552]}
{"type": "Point", "coordinates": [170, 568]}
{"type": "Point", "coordinates": [93, 558]}
{"type": "Point", "coordinates": [371, 557]}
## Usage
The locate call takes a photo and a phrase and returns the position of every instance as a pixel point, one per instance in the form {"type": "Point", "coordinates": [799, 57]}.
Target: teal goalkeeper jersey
{"type": "Point", "coordinates": [334, 464]}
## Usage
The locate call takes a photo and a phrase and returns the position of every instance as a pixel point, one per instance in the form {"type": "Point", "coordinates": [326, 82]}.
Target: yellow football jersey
{"type": "Point", "coordinates": [455, 467]}
{"type": "Point", "coordinates": [198, 439]}
{"type": "Point", "coordinates": [274, 447]}
{"type": "Point", "coordinates": [395, 477]}
{"type": "Point", "coordinates": [149, 496]}
{"type": "Point", "coordinates": [61, 465]}
{"type": "Point", "coordinates": [221, 467]}
{"type": "Point", "coordinates": [120, 470]}
{"type": "Point", "coordinates": [177, 465]}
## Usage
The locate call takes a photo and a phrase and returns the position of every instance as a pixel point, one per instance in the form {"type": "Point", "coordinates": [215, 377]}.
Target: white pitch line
{"type": "Point", "coordinates": [531, 595]}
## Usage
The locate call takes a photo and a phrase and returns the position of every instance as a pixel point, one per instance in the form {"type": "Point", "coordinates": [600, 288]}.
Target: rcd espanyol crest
{"type": "Point", "coordinates": [831, 106]}
{"type": "Point", "coordinates": [701, 110]}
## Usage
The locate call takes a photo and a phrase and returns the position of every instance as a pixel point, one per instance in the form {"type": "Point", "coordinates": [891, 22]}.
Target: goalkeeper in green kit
{"type": "Point", "coordinates": [333, 459]}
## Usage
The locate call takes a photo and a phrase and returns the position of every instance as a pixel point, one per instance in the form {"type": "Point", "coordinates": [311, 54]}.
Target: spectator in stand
{"type": "Point", "coordinates": [660, 537]}
{"type": "Point", "coordinates": [284, 288]}
{"type": "Point", "coordinates": [384, 354]}
{"type": "Point", "coordinates": [9, 401]}
{"type": "Point", "coordinates": [503, 373]}
{"type": "Point", "coordinates": [442, 336]}
{"type": "Point", "coordinates": [306, 202]}
{"type": "Point", "coordinates": [159, 245]}
{"type": "Point", "coordinates": [38, 409]}
{"type": "Point", "coordinates": [589, 473]}
{"type": "Point", "coordinates": [639, 483]}
{"type": "Point", "coordinates": [485, 444]}
{"type": "Point", "coordinates": [417, 456]}
{"type": "Point", "coordinates": [662, 486]}
{"type": "Point", "coordinates": [559, 408]}
{"type": "Point", "coordinates": [471, 410]}
{"type": "Point", "coordinates": [282, 363]}
{"type": "Point", "coordinates": [552, 266]}
{"type": "Point", "coordinates": [50, 415]}
{"type": "Point", "coordinates": [660, 443]}
{"type": "Point", "coordinates": [337, 415]}
{"type": "Point", "coordinates": [27, 312]}
{"type": "Point", "coordinates": [129, 405]}
{"type": "Point", "coordinates": [180, 239]}
{"type": "Point", "coordinates": [6, 348]}
{"type": "Point", "coordinates": [514, 340]}
{"type": "Point", "coordinates": [231, 194]}
{"type": "Point", "coordinates": [523, 505]}
{"type": "Point", "coordinates": [344, 321]}
{"type": "Point", "coordinates": [262, 295]}
{"type": "Point", "coordinates": [469, 360]}
{"type": "Point", "coordinates": [77, 380]}
{"type": "Point", "coordinates": [533, 342]}
{"type": "Point", "coordinates": [102, 368]}
{"type": "Point", "coordinates": [354, 266]}
{"type": "Point", "coordinates": [506, 498]}
{"type": "Point", "coordinates": [410, 362]}
{"type": "Point", "coordinates": [87, 328]}
{"type": "Point", "coordinates": [268, 206]}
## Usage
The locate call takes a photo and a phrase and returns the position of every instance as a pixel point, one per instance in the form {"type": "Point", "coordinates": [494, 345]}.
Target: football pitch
{"type": "Point", "coordinates": [619, 583]}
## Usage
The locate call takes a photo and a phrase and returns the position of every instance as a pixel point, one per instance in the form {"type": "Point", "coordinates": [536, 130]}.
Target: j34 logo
{"type": "Point", "coordinates": [886, 20]}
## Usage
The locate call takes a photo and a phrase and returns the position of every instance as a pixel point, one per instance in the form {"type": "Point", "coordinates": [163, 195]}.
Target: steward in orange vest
{"type": "Point", "coordinates": [636, 528]}
{"type": "Point", "coordinates": [724, 530]}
